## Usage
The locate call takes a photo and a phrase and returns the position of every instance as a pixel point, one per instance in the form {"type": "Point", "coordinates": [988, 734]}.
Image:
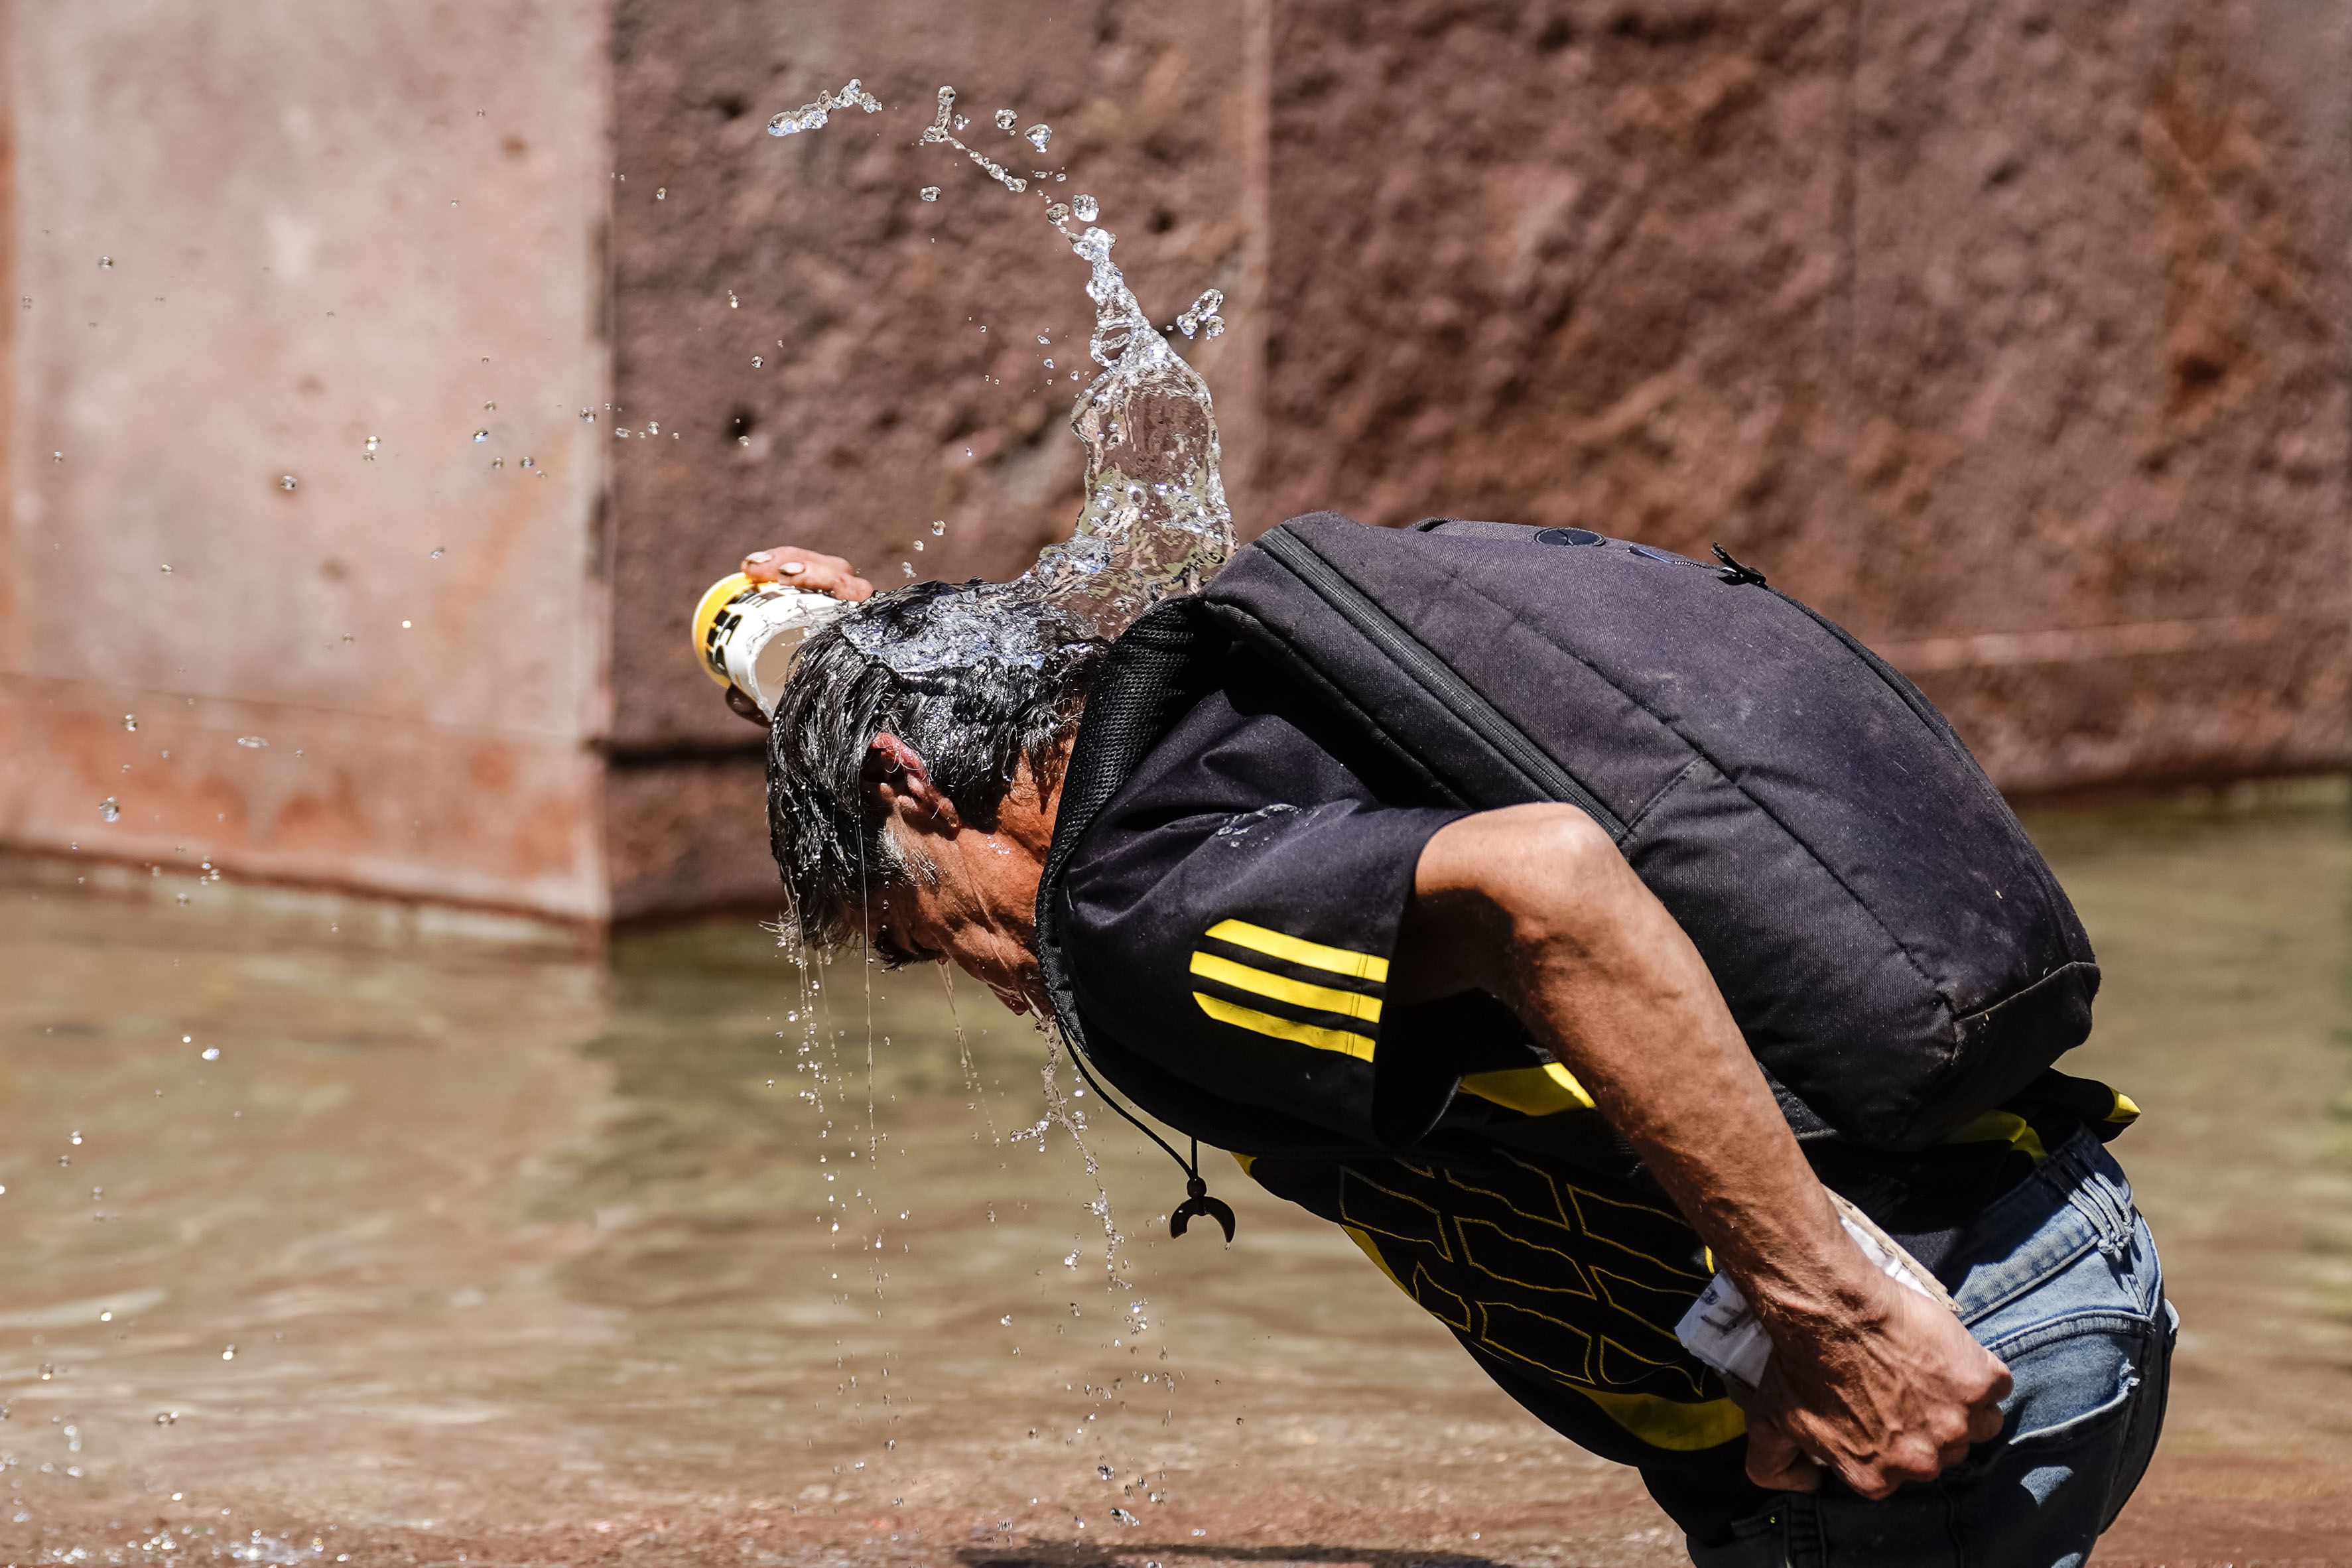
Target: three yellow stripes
{"type": "Point", "coordinates": [1532, 1091]}
{"type": "Point", "coordinates": [1343, 962]}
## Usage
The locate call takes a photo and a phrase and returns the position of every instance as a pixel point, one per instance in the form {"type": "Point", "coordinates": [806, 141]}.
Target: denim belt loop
{"type": "Point", "coordinates": [2097, 1193]}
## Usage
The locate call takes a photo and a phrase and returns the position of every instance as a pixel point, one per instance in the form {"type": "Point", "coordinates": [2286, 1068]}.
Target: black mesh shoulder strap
{"type": "Point", "coordinates": [1153, 675]}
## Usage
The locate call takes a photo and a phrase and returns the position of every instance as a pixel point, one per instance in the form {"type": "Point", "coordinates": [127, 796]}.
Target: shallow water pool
{"type": "Point", "coordinates": [457, 1251]}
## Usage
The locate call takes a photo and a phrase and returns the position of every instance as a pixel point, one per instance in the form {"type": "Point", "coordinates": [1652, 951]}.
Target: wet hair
{"type": "Point", "coordinates": [977, 677]}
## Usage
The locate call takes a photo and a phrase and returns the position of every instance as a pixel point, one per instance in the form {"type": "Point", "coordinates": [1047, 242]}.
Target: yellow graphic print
{"type": "Point", "coordinates": [1571, 1287]}
{"type": "Point", "coordinates": [1543, 1090]}
{"type": "Point", "coordinates": [1304, 991]}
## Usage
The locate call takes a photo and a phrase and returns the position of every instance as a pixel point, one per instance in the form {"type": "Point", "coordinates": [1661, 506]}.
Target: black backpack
{"type": "Point", "coordinates": [1896, 952]}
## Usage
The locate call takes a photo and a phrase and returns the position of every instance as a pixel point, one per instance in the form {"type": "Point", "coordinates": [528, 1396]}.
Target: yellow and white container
{"type": "Point", "coordinates": [747, 634]}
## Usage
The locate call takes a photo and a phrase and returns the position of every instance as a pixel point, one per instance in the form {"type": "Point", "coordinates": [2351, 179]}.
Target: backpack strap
{"type": "Point", "coordinates": [1151, 677]}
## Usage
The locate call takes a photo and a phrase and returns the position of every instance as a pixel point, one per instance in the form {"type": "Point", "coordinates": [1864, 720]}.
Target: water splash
{"type": "Point", "coordinates": [1155, 521]}
{"type": "Point", "coordinates": [1202, 318]}
{"type": "Point", "coordinates": [814, 115]}
{"type": "Point", "coordinates": [939, 131]}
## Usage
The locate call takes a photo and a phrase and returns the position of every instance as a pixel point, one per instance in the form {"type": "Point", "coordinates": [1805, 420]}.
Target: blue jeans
{"type": "Point", "coordinates": [2062, 1282]}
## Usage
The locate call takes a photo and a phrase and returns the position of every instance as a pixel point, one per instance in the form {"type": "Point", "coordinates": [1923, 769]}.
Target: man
{"type": "Point", "coordinates": [1477, 1041]}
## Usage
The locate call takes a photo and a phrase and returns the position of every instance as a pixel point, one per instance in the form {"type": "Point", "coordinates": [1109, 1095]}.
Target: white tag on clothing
{"type": "Point", "coordinates": [1722, 1330]}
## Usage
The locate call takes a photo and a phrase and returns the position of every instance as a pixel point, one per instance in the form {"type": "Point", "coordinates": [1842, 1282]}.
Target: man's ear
{"type": "Point", "coordinates": [898, 775]}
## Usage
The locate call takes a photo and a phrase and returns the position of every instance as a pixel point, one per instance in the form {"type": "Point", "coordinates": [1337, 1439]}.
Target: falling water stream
{"type": "Point", "coordinates": [1153, 522]}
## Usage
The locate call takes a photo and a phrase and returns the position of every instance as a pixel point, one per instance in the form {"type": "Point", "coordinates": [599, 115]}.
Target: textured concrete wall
{"type": "Point", "coordinates": [2014, 334]}
{"type": "Point", "coordinates": [880, 404]}
{"type": "Point", "coordinates": [325, 221]}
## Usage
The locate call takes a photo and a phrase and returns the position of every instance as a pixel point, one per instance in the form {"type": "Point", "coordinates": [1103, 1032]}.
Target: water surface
{"type": "Point", "coordinates": [467, 1252]}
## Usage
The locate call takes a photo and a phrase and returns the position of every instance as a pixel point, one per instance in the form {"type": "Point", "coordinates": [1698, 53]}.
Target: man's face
{"type": "Point", "coordinates": [970, 900]}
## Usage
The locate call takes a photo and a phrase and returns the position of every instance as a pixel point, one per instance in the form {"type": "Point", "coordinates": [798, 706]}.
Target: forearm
{"type": "Point", "coordinates": [1534, 905]}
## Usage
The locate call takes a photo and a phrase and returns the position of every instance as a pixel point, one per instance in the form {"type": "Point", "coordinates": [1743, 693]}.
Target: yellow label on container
{"type": "Point", "coordinates": [714, 617]}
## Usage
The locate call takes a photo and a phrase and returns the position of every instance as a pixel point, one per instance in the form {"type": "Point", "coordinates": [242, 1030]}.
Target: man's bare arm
{"type": "Point", "coordinates": [1534, 905]}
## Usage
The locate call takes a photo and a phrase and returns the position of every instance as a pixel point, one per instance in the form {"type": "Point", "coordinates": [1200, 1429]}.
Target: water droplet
{"type": "Point", "coordinates": [661, 193]}
{"type": "Point", "coordinates": [373, 443]}
{"type": "Point", "coordinates": [1006, 119]}
{"type": "Point", "coordinates": [1202, 317]}
{"type": "Point", "coordinates": [918, 544]}
{"type": "Point", "coordinates": [733, 302]}
{"type": "Point", "coordinates": [815, 115]}
{"type": "Point", "coordinates": [588, 416]}
{"type": "Point", "coordinates": [404, 625]}
{"type": "Point", "coordinates": [287, 481]}
{"type": "Point", "coordinates": [56, 457]}
{"type": "Point", "coordinates": [252, 743]}
{"type": "Point", "coordinates": [437, 552]}
{"type": "Point", "coordinates": [908, 568]}
{"type": "Point", "coordinates": [167, 1418]}
{"type": "Point", "coordinates": [1007, 1320]}
{"type": "Point", "coordinates": [108, 811]}
{"type": "Point", "coordinates": [962, 122]}
{"type": "Point", "coordinates": [1049, 365]}
{"type": "Point", "coordinates": [130, 721]}
{"type": "Point", "coordinates": [481, 435]}
{"type": "Point", "coordinates": [756, 362]}
{"type": "Point", "coordinates": [929, 193]}
{"type": "Point", "coordinates": [1086, 209]}
{"type": "Point", "coordinates": [167, 569]}
{"type": "Point", "coordinates": [1058, 213]}
{"type": "Point", "coordinates": [498, 462]}
{"type": "Point", "coordinates": [1037, 136]}
{"type": "Point", "coordinates": [527, 463]}
{"type": "Point", "coordinates": [212, 1053]}
{"type": "Point", "coordinates": [229, 1355]}
{"type": "Point", "coordinates": [1071, 1261]}
{"type": "Point", "coordinates": [939, 527]}
{"type": "Point", "coordinates": [105, 262]}
{"type": "Point", "coordinates": [1102, 1470]}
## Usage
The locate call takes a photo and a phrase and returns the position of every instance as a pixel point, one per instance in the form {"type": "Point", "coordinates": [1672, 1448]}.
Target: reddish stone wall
{"type": "Point", "coordinates": [2012, 334]}
{"type": "Point", "coordinates": [880, 404]}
